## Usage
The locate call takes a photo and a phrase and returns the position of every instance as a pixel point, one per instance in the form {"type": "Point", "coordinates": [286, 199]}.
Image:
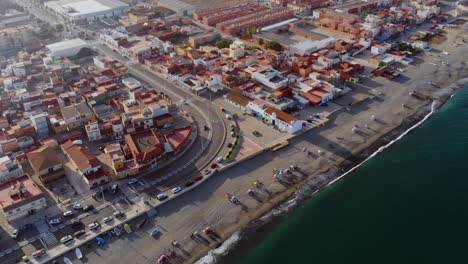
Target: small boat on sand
{"type": "Point", "coordinates": [78, 253]}
{"type": "Point", "coordinates": [67, 260]}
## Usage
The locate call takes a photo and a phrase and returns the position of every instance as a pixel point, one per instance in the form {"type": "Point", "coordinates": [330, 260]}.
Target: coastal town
{"type": "Point", "coordinates": [152, 131]}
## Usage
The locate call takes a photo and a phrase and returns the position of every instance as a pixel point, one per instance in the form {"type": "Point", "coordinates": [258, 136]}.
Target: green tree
{"type": "Point", "coordinates": [274, 45]}
{"type": "Point", "coordinates": [261, 42]}
{"type": "Point", "coordinates": [59, 27]}
{"type": "Point", "coordinates": [223, 43]}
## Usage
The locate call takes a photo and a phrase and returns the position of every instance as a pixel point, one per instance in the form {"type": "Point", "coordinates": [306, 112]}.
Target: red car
{"type": "Point", "coordinates": [198, 178]}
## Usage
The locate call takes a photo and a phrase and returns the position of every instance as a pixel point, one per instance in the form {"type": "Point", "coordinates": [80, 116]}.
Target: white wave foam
{"type": "Point", "coordinates": [381, 149]}
{"type": "Point", "coordinates": [214, 254]}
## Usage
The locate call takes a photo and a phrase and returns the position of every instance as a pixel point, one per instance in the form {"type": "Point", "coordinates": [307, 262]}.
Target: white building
{"type": "Point", "coordinates": [270, 78]}
{"type": "Point", "coordinates": [79, 11]}
{"type": "Point", "coordinates": [236, 51]}
{"type": "Point", "coordinates": [93, 132]}
{"type": "Point", "coordinates": [40, 123]}
{"type": "Point", "coordinates": [9, 169]}
{"type": "Point", "coordinates": [20, 198]}
{"type": "Point", "coordinates": [283, 121]}
{"type": "Point", "coordinates": [67, 48]}
{"type": "Point", "coordinates": [380, 48]}
{"type": "Point", "coordinates": [311, 46]}
{"type": "Point", "coordinates": [131, 83]}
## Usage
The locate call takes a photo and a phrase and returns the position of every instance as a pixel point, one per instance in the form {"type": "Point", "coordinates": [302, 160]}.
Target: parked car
{"type": "Point", "coordinates": [94, 225]}
{"type": "Point", "coordinates": [79, 233]}
{"type": "Point", "coordinates": [189, 183]}
{"type": "Point", "coordinates": [118, 213]}
{"type": "Point", "coordinates": [55, 221]}
{"type": "Point", "coordinates": [26, 226]}
{"type": "Point", "coordinates": [132, 181]}
{"type": "Point", "coordinates": [198, 178]}
{"type": "Point", "coordinates": [161, 196]}
{"type": "Point", "coordinates": [15, 233]}
{"type": "Point", "coordinates": [77, 206]}
{"type": "Point", "coordinates": [114, 188]}
{"type": "Point", "coordinates": [167, 126]}
{"type": "Point", "coordinates": [219, 159]}
{"type": "Point", "coordinates": [155, 232]}
{"type": "Point", "coordinates": [87, 208]}
{"type": "Point", "coordinates": [107, 219]}
{"type": "Point", "coordinates": [66, 239]}
{"type": "Point", "coordinates": [68, 213]}
{"type": "Point", "coordinates": [176, 190]}
{"type": "Point", "coordinates": [77, 224]}
{"type": "Point", "coordinates": [207, 171]}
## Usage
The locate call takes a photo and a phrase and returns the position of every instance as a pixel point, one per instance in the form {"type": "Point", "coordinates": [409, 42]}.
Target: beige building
{"type": "Point", "coordinates": [77, 115]}
{"type": "Point", "coordinates": [46, 164]}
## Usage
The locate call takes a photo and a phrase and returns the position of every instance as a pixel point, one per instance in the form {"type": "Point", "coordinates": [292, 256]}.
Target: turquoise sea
{"type": "Point", "coordinates": [409, 204]}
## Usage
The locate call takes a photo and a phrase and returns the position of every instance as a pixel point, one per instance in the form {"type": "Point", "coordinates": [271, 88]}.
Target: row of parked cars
{"type": "Point", "coordinates": [92, 226]}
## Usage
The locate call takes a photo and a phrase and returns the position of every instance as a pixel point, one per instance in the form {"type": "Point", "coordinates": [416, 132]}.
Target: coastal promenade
{"type": "Point", "coordinates": [338, 144]}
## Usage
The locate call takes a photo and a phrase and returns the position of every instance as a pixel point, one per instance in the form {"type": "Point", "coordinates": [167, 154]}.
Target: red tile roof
{"type": "Point", "coordinates": [281, 115]}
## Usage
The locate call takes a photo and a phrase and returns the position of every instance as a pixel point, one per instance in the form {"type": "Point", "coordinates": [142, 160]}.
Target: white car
{"type": "Point", "coordinates": [132, 181]}
{"type": "Point", "coordinates": [155, 232]}
{"type": "Point", "coordinates": [66, 239]}
{"type": "Point", "coordinates": [55, 221]}
{"type": "Point", "coordinates": [93, 225]}
{"type": "Point", "coordinates": [15, 233]}
{"type": "Point", "coordinates": [176, 190]}
{"type": "Point", "coordinates": [77, 206]}
{"type": "Point", "coordinates": [161, 196]}
{"type": "Point", "coordinates": [107, 219]}
{"type": "Point", "coordinates": [219, 159]}
{"type": "Point", "coordinates": [68, 213]}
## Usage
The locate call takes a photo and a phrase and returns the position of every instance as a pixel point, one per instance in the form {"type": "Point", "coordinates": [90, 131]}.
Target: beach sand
{"type": "Point", "coordinates": [340, 149]}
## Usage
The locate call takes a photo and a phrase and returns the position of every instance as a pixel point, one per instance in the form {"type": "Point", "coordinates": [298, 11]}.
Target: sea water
{"type": "Point", "coordinates": [408, 204]}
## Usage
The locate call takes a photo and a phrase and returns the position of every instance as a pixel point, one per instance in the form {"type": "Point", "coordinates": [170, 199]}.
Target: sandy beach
{"type": "Point", "coordinates": [340, 149]}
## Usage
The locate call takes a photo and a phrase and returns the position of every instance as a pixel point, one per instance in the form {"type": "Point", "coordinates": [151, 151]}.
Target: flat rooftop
{"type": "Point", "coordinates": [145, 141]}
{"type": "Point", "coordinates": [290, 38]}
{"type": "Point", "coordinates": [84, 7]}
{"type": "Point", "coordinates": [18, 192]}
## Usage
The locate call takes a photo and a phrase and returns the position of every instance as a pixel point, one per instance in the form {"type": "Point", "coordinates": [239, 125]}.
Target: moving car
{"type": "Point", "coordinates": [77, 206]}
{"type": "Point", "coordinates": [94, 225]}
{"type": "Point", "coordinates": [176, 190]}
{"type": "Point", "coordinates": [66, 239]}
{"type": "Point", "coordinates": [161, 196]}
{"type": "Point", "coordinates": [55, 221]}
{"type": "Point", "coordinates": [107, 219]}
{"type": "Point", "coordinates": [68, 213]}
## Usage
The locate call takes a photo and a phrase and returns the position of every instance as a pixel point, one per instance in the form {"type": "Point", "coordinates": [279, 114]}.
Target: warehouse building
{"type": "Point", "coordinates": [66, 48]}
{"type": "Point", "coordinates": [82, 11]}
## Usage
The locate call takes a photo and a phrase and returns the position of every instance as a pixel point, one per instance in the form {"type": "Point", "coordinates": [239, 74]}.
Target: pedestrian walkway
{"type": "Point", "coordinates": [49, 238]}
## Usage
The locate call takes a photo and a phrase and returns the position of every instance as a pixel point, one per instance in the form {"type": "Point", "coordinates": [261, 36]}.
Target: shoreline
{"type": "Point", "coordinates": [300, 192]}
